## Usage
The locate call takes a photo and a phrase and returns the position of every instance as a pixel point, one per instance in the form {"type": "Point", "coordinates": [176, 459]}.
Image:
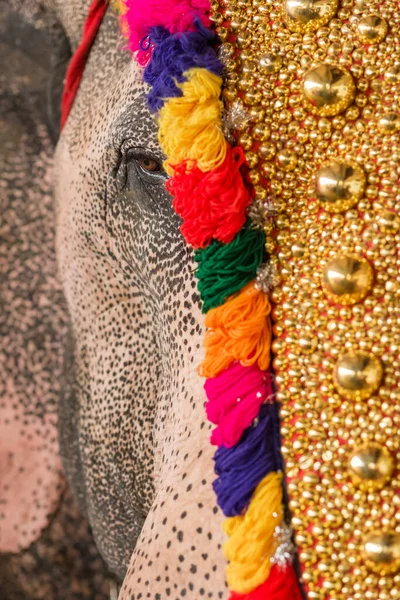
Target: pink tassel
{"type": "Point", "coordinates": [174, 15]}
{"type": "Point", "coordinates": [234, 400]}
{"type": "Point", "coordinates": [282, 584]}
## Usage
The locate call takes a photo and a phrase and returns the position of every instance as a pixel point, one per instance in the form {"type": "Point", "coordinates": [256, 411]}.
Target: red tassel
{"type": "Point", "coordinates": [212, 204]}
{"type": "Point", "coordinates": [282, 584]}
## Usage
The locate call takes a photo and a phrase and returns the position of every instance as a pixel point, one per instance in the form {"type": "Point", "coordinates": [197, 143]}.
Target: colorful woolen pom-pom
{"type": "Point", "coordinates": [212, 204]}
{"type": "Point", "coordinates": [251, 543]}
{"type": "Point", "coordinates": [190, 125]}
{"type": "Point", "coordinates": [282, 584]}
{"type": "Point", "coordinates": [241, 467]}
{"type": "Point", "coordinates": [240, 330]}
{"type": "Point", "coordinates": [234, 400]}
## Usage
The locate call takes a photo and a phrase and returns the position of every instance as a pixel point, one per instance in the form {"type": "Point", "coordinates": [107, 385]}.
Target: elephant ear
{"type": "Point", "coordinates": [31, 479]}
{"type": "Point", "coordinates": [33, 319]}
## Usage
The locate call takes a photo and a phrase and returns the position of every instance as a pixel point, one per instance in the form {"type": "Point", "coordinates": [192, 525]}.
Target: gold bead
{"type": "Point", "coordinates": [339, 186]}
{"type": "Point", "coordinates": [357, 375]}
{"type": "Point", "coordinates": [347, 278]}
{"type": "Point", "coordinates": [267, 150]}
{"type": "Point", "coordinates": [388, 221]}
{"type": "Point", "coordinates": [252, 97]}
{"type": "Point", "coordinates": [381, 551]}
{"type": "Point", "coordinates": [246, 141]}
{"type": "Point", "coordinates": [251, 159]}
{"type": "Point", "coordinates": [372, 29]}
{"type": "Point", "coordinates": [328, 90]}
{"type": "Point", "coordinates": [299, 249]}
{"type": "Point", "coordinates": [308, 15]}
{"type": "Point", "coordinates": [307, 344]}
{"type": "Point", "coordinates": [270, 63]}
{"type": "Point", "coordinates": [389, 123]}
{"type": "Point", "coordinates": [261, 131]}
{"type": "Point", "coordinates": [371, 467]}
{"type": "Point", "coordinates": [229, 94]}
{"type": "Point", "coordinates": [287, 160]}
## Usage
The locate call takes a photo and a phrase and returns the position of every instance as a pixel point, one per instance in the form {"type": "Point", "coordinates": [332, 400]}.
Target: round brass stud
{"type": "Point", "coordinates": [347, 278]}
{"type": "Point", "coordinates": [371, 467]}
{"type": "Point", "coordinates": [357, 375]}
{"type": "Point", "coordinates": [308, 15]}
{"type": "Point", "coordinates": [339, 186]}
{"type": "Point", "coordinates": [328, 90]}
{"type": "Point", "coordinates": [389, 123]}
{"type": "Point", "coordinates": [382, 552]}
{"type": "Point", "coordinates": [372, 29]}
{"type": "Point", "coordinates": [270, 63]}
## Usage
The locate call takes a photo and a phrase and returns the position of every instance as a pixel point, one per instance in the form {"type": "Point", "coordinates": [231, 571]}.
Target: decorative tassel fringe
{"type": "Point", "coordinates": [251, 537]}
{"type": "Point", "coordinates": [226, 268]}
{"type": "Point", "coordinates": [241, 468]}
{"type": "Point", "coordinates": [190, 126]}
{"type": "Point", "coordinates": [175, 16]}
{"type": "Point", "coordinates": [234, 400]}
{"type": "Point", "coordinates": [210, 195]}
{"type": "Point", "coordinates": [173, 55]}
{"type": "Point", "coordinates": [282, 584]}
{"type": "Point", "coordinates": [213, 204]}
{"type": "Point", "coordinates": [240, 330]}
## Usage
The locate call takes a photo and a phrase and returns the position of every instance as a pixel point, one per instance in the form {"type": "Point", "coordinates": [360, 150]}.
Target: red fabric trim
{"type": "Point", "coordinates": [97, 10]}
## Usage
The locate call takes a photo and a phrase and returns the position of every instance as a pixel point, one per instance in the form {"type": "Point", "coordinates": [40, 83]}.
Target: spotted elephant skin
{"type": "Point", "coordinates": [46, 545]}
{"type": "Point", "coordinates": [133, 433]}
{"type": "Point", "coordinates": [132, 430]}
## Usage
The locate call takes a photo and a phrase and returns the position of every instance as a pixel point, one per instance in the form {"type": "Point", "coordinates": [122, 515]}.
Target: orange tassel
{"type": "Point", "coordinates": [240, 330]}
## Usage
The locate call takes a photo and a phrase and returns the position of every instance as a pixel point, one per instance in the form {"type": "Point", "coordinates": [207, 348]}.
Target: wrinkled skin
{"type": "Point", "coordinates": [133, 434]}
{"type": "Point", "coordinates": [47, 548]}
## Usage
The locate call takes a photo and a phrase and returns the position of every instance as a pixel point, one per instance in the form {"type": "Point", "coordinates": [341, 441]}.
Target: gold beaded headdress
{"type": "Point", "coordinates": [313, 96]}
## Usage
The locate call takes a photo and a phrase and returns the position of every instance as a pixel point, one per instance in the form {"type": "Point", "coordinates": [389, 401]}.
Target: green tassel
{"type": "Point", "coordinates": [225, 268]}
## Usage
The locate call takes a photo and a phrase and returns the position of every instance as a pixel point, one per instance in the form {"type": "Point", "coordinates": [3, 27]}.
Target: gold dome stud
{"type": "Point", "coordinates": [381, 551]}
{"type": "Point", "coordinates": [371, 467]}
{"type": "Point", "coordinates": [347, 278]}
{"type": "Point", "coordinates": [328, 90]}
{"type": "Point", "coordinates": [308, 15]}
{"type": "Point", "coordinates": [270, 63]}
{"type": "Point", "coordinates": [389, 123]}
{"type": "Point", "coordinates": [372, 29]}
{"type": "Point", "coordinates": [339, 186]}
{"type": "Point", "coordinates": [357, 375]}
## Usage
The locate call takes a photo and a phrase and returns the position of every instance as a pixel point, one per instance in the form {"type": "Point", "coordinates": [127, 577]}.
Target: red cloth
{"type": "Point", "coordinates": [76, 67]}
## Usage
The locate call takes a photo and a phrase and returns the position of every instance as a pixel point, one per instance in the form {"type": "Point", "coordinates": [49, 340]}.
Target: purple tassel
{"type": "Point", "coordinates": [241, 468]}
{"type": "Point", "coordinates": [172, 56]}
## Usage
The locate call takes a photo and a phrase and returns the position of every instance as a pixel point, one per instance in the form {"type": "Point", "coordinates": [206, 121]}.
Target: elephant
{"type": "Point", "coordinates": [133, 436]}
{"type": "Point", "coordinates": [314, 109]}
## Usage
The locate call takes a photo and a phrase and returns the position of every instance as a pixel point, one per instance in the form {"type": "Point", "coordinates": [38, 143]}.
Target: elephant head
{"type": "Point", "coordinates": [134, 438]}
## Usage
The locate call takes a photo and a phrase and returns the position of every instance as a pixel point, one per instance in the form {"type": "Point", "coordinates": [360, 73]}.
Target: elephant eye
{"type": "Point", "coordinates": [149, 165]}
{"type": "Point", "coordinates": [144, 165]}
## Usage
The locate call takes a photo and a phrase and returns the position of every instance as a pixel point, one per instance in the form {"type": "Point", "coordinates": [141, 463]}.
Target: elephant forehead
{"type": "Point", "coordinates": [110, 103]}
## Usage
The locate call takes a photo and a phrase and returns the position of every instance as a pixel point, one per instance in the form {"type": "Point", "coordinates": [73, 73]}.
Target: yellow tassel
{"type": "Point", "coordinates": [251, 541]}
{"type": "Point", "coordinates": [240, 329]}
{"type": "Point", "coordinates": [190, 126]}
